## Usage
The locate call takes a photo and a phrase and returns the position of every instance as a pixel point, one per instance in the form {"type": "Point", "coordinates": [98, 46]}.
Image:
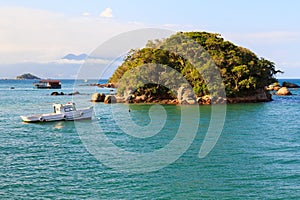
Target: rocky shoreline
{"type": "Point", "coordinates": [184, 98]}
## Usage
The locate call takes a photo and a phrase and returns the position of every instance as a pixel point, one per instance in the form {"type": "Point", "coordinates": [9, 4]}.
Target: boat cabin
{"type": "Point", "coordinates": [48, 84]}
{"type": "Point", "coordinates": [59, 108]}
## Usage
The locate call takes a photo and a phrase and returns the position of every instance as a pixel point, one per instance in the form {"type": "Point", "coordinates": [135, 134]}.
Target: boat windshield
{"type": "Point", "coordinates": [69, 108]}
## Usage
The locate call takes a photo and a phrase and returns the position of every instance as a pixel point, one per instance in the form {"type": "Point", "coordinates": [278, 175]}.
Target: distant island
{"type": "Point", "coordinates": [27, 76]}
{"type": "Point", "coordinates": [244, 75]}
{"type": "Point", "coordinates": [75, 57]}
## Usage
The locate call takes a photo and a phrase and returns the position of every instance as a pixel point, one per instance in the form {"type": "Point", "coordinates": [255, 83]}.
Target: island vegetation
{"type": "Point", "coordinates": [244, 75]}
{"type": "Point", "coordinates": [27, 76]}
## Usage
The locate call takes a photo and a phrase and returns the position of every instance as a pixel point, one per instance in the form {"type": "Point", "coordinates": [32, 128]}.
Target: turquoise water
{"type": "Point", "coordinates": [256, 156]}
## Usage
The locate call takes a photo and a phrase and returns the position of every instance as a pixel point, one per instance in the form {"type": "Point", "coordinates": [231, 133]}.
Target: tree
{"type": "Point", "coordinates": [197, 59]}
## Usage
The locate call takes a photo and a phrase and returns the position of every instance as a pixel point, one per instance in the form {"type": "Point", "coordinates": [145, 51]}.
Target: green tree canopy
{"type": "Point", "coordinates": [242, 72]}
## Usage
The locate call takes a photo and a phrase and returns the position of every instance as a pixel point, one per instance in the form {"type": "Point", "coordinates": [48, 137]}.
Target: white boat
{"type": "Point", "coordinates": [61, 112]}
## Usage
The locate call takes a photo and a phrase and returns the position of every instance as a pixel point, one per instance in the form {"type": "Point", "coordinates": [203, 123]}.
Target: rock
{"type": "Point", "coordinates": [112, 85]}
{"type": "Point", "coordinates": [218, 100]}
{"type": "Point", "coordinates": [199, 99]}
{"type": "Point", "coordinates": [57, 93]}
{"type": "Point", "coordinates": [129, 98]}
{"type": "Point", "coordinates": [284, 91]}
{"type": "Point", "coordinates": [270, 87]}
{"type": "Point", "coordinates": [174, 101]}
{"type": "Point", "coordinates": [276, 88]}
{"type": "Point", "coordinates": [263, 96]}
{"type": "Point", "coordinates": [290, 85]}
{"type": "Point", "coordinates": [61, 93]}
{"type": "Point", "coordinates": [110, 99]}
{"type": "Point", "coordinates": [98, 97]}
{"type": "Point", "coordinates": [204, 100]}
{"type": "Point", "coordinates": [164, 101]}
{"type": "Point", "coordinates": [260, 95]}
{"type": "Point", "coordinates": [186, 95]}
{"type": "Point", "coordinates": [139, 99]}
{"type": "Point", "coordinates": [120, 99]}
{"type": "Point", "coordinates": [74, 93]}
{"type": "Point", "coordinates": [108, 85]}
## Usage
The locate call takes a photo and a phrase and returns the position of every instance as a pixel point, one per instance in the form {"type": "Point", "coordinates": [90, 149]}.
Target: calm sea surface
{"type": "Point", "coordinates": [257, 155]}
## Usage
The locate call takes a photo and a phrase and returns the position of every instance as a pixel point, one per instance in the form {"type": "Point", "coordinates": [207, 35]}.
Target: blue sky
{"type": "Point", "coordinates": [35, 34]}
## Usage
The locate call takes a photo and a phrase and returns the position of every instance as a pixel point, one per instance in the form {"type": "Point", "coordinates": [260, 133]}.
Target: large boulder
{"type": "Point", "coordinates": [186, 95]}
{"type": "Point", "coordinates": [110, 99]}
{"type": "Point", "coordinates": [276, 88]}
{"type": "Point", "coordinates": [98, 97]}
{"type": "Point", "coordinates": [284, 91]}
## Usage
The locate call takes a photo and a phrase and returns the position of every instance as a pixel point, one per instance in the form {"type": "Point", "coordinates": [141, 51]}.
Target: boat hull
{"type": "Point", "coordinates": [48, 87]}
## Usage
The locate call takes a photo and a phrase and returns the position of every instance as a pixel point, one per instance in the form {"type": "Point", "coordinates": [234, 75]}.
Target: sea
{"type": "Point", "coordinates": [143, 151]}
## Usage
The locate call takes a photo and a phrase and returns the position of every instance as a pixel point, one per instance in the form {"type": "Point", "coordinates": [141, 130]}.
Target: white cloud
{"type": "Point", "coordinates": [80, 62]}
{"type": "Point", "coordinates": [67, 61]}
{"type": "Point", "coordinates": [43, 36]}
{"type": "Point", "coordinates": [106, 13]}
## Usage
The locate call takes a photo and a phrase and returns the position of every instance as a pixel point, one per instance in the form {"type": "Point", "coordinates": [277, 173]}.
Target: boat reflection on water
{"type": "Point", "coordinates": [58, 125]}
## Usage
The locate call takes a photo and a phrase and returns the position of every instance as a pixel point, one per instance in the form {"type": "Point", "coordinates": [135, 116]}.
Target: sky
{"type": "Point", "coordinates": [35, 35]}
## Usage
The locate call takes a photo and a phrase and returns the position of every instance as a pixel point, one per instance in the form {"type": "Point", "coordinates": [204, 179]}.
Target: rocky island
{"type": "Point", "coordinates": [27, 76]}
{"type": "Point", "coordinates": [208, 64]}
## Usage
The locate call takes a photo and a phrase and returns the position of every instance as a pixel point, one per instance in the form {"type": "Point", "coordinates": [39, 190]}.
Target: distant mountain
{"type": "Point", "coordinates": [27, 76]}
{"type": "Point", "coordinates": [75, 57]}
